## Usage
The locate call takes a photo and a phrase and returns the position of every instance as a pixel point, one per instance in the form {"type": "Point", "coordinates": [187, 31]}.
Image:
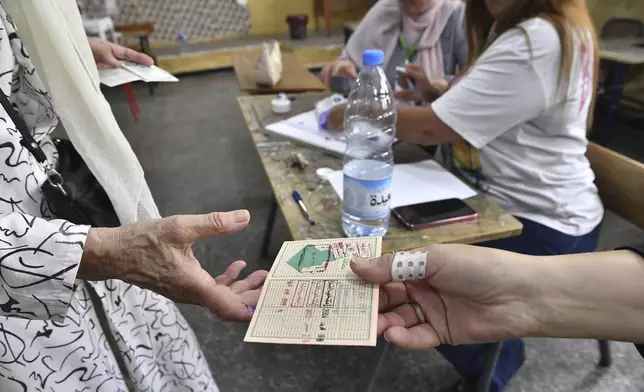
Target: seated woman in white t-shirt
{"type": "Point", "coordinates": [516, 121]}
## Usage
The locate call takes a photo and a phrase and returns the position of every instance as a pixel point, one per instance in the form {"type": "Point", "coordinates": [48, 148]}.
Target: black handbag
{"type": "Point", "coordinates": [71, 190]}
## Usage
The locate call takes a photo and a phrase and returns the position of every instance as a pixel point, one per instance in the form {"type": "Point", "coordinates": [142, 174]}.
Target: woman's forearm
{"type": "Point", "coordinates": [599, 295]}
{"type": "Point", "coordinates": [419, 124]}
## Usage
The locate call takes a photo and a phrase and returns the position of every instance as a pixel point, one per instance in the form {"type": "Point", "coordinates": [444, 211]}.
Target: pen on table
{"type": "Point", "coordinates": [300, 202]}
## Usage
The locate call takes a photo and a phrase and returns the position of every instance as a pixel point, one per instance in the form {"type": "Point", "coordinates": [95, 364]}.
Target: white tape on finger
{"type": "Point", "coordinates": [408, 266]}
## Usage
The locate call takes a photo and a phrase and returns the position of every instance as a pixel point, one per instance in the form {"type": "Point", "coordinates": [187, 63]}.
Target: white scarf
{"type": "Point", "coordinates": [52, 32]}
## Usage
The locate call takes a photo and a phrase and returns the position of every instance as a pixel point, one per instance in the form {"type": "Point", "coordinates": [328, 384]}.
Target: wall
{"type": "Point", "coordinates": [268, 17]}
{"type": "Point", "coordinates": [199, 20]}
{"type": "Point", "coordinates": [602, 10]}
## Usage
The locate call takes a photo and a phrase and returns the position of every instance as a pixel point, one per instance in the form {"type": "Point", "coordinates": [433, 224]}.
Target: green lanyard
{"type": "Point", "coordinates": [409, 52]}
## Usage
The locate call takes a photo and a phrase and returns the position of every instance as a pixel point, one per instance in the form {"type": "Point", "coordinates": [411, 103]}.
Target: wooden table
{"type": "Point", "coordinates": [325, 208]}
{"type": "Point", "coordinates": [619, 55]}
{"type": "Point", "coordinates": [325, 205]}
{"type": "Point", "coordinates": [295, 77]}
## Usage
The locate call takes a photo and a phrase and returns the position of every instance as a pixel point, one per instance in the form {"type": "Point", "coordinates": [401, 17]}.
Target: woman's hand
{"type": "Point", "coordinates": [110, 54]}
{"type": "Point", "coordinates": [467, 294]}
{"type": "Point", "coordinates": [335, 120]}
{"type": "Point", "coordinates": [338, 68]}
{"type": "Point", "coordinates": [157, 255]}
{"type": "Point", "coordinates": [424, 89]}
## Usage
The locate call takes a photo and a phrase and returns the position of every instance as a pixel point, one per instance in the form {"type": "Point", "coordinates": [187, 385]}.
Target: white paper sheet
{"type": "Point", "coordinates": [149, 73]}
{"type": "Point", "coordinates": [113, 77]}
{"type": "Point", "coordinates": [304, 128]}
{"type": "Point", "coordinates": [419, 182]}
{"type": "Point", "coordinates": [129, 72]}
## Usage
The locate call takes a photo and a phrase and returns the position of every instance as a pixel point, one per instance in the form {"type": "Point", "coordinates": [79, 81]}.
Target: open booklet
{"type": "Point", "coordinates": [131, 72]}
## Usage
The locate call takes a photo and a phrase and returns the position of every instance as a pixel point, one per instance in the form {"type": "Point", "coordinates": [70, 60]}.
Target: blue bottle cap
{"type": "Point", "coordinates": [373, 57]}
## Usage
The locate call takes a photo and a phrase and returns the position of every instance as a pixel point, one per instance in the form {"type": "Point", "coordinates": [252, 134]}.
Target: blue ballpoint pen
{"type": "Point", "coordinates": [300, 202]}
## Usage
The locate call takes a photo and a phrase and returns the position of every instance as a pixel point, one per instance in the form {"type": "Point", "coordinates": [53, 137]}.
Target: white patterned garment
{"type": "Point", "coordinates": [50, 336]}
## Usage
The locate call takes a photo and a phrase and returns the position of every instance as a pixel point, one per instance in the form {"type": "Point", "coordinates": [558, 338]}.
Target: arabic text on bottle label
{"type": "Point", "coordinates": [367, 199]}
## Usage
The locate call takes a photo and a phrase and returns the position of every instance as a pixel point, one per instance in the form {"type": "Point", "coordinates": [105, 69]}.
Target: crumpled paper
{"type": "Point", "coordinates": [268, 70]}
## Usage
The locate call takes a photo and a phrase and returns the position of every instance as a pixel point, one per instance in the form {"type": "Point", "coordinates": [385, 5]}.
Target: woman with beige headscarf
{"type": "Point", "coordinates": [79, 308]}
{"type": "Point", "coordinates": [426, 35]}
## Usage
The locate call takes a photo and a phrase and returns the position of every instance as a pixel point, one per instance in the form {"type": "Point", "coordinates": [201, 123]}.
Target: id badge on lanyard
{"type": "Point", "coordinates": [409, 52]}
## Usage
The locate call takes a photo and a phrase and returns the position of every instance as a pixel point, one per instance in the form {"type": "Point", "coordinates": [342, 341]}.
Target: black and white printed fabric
{"type": "Point", "coordinates": [50, 336]}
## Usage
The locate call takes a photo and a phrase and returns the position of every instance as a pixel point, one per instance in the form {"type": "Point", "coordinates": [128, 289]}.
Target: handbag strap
{"type": "Point", "coordinates": [27, 141]}
{"type": "Point", "coordinates": [32, 145]}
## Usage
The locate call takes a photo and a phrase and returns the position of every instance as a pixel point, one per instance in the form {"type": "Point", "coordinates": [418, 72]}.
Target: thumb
{"type": "Point", "coordinates": [195, 227]}
{"type": "Point", "coordinates": [377, 270]}
{"type": "Point", "coordinates": [399, 266]}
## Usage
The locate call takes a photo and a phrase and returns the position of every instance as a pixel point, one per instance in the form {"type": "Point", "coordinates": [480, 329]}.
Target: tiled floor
{"type": "Point", "coordinates": [198, 157]}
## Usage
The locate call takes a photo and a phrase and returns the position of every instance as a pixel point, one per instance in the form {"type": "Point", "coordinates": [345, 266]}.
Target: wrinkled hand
{"type": "Point", "coordinates": [110, 54]}
{"type": "Point", "coordinates": [469, 294]}
{"type": "Point", "coordinates": [338, 68]}
{"type": "Point", "coordinates": [424, 89]}
{"type": "Point", "coordinates": [335, 120]}
{"type": "Point", "coordinates": [157, 255]}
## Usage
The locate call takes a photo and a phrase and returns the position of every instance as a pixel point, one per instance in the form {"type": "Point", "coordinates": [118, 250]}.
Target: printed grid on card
{"type": "Point", "coordinates": [322, 258]}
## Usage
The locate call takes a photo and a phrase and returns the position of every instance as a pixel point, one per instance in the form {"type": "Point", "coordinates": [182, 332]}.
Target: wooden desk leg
{"type": "Point", "coordinates": [609, 102]}
{"type": "Point", "coordinates": [268, 230]}
{"type": "Point", "coordinates": [144, 43]}
{"type": "Point", "coordinates": [316, 14]}
{"type": "Point", "coordinates": [605, 359]}
{"type": "Point", "coordinates": [327, 18]}
{"type": "Point", "coordinates": [492, 351]}
{"type": "Point", "coordinates": [366, 383]}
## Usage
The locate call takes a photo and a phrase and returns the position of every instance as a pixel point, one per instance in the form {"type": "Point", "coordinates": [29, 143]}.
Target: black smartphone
{"type": "Point", "coordinates": [435, 213]}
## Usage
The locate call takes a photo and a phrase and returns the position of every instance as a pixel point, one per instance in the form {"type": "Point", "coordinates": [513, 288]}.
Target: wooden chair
{"type": "Point", "coordinates": [622, 28]}
{"type": "Point", "coordinates": [324, 8]}
{"type": "Point", "coordinates": [616, 28]}
{"type": "Point", "coordinates": [620, 181]}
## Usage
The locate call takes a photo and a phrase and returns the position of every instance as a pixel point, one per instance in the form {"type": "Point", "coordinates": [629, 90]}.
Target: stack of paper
{"type": "Point", "coordinates": [416, 183]}
{"type": "Point", "coordinates": [304, 128]}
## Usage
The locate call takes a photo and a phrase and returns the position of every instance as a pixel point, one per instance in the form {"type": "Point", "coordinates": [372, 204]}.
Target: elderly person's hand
{"type": "Point", "coordinates": [157, 255]}
{"type": "Point", "coordinates": [338, 68]}
{"type": "Point", "coordinates": [424, 89]}
{"type": "Point", "coordinates": [452, 294]}
{"type": "Point", "coordinates": [108, 54]}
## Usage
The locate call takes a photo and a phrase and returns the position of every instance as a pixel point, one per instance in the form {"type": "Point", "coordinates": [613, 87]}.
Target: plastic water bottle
{"type": "Point", "coordinates": [183, 42]}
{"type": "Point", "coordinates": [370, 130]}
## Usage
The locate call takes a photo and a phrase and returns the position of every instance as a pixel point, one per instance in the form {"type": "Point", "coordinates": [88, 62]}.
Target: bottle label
{"type": "Point", "coordinates": [367, 199]}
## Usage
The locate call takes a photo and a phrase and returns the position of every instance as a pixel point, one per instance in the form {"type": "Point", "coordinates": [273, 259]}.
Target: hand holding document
{"type": "Point", "coordinates": [311, 296]}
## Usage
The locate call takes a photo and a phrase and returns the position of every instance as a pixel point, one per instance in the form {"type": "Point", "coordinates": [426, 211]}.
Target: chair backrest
{"type": "Point", "coordinates": [620, 181]}
{"type": "Point", "coordinates": [622, 28]}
